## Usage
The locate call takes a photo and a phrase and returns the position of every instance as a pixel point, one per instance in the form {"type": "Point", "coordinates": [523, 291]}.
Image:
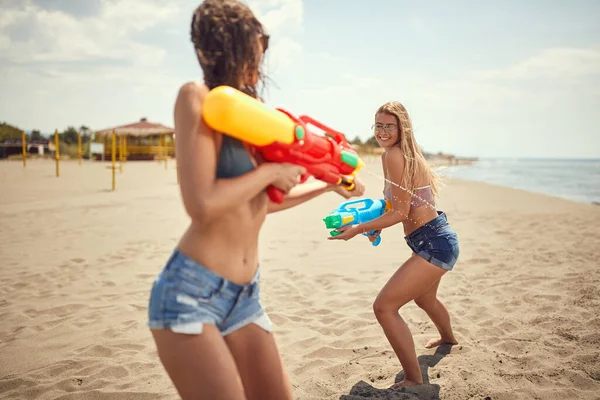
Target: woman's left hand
{"type": "Point", "coordinates": [359, 189]}
{"type": "Point", "coordinates": [348, 232]}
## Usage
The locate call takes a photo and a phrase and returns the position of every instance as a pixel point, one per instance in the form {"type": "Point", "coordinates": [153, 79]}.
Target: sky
{"type": "Point", "coordinates": [478, 78]}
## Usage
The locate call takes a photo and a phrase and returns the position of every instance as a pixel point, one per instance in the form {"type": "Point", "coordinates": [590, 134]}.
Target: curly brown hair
{"type": "Point", "coordinates": [226, 38]}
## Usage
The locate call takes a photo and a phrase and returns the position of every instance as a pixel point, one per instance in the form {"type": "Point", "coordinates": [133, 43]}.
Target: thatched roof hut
{"type": "Point", "coordinates": [141, 128]}
{"type": "Point", "coordinates": [143, 140]}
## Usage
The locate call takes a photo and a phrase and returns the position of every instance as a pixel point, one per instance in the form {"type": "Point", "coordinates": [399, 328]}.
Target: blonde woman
{"type": "Point", "coordinates": [411, 187]}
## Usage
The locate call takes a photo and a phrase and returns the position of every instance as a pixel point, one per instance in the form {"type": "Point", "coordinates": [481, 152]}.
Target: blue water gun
{"type": "Point", "coordinates": [344, 215]}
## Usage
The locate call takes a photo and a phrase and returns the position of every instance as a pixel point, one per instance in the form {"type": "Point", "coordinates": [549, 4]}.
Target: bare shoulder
{"type": "Point", "coordinates": [191, 93]}
{"type": "Point", "coordinates": [394, 158]}
{"type": "Point", "coordinates": [396, 151]}
{"type": "Point", "coordinates": [188, 107]}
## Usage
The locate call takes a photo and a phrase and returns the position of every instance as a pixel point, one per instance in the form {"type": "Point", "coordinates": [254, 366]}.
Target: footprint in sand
{"type": "Point", "coordinates": [130, 347]}
{"type": "Point", "coordinates": [550, 297]}
{"type": "Point", "coordinates": [138, 308]}
{"type": "Point", "coordinates": [479, 261]}
{"type": "Point", "coordinates": [95, 351]}
{"type": "Point", "coordinates": [145, 276]}
{"type": "Point", "coordinates": [278, 319]}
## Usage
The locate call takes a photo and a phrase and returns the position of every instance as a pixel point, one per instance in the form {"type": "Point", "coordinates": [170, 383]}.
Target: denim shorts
{"type": "Point", "coordinates": [186, 295]}
{"type": "Point", "coordinates": [436, 242]}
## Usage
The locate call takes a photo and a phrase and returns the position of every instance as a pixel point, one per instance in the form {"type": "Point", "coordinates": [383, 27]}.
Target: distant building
{"type": "Point", "coordinates": [144, 140]}
{"type": "Point", "coordinates": [10, 147]}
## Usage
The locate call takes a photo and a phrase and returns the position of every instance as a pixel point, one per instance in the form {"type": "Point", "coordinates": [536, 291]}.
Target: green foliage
{"type": "Point", "coordinates": [9, 132]}
{"type": "Point", "coordinates": [371, 142]}
{"type": "Point", "coordinates": [36, 135]}
{"type": "Point", "coordinates": [356, 141]}
{"type": "Point", "coordinates": [67, 138]}
{"type": "Point", "coordinates": [69, 135]}
{"type": "Point", "coordinates": [70, 150]}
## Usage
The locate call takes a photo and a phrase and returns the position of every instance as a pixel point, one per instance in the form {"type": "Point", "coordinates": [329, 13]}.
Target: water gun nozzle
{"type": "Point", "coordinates": [332, 221]}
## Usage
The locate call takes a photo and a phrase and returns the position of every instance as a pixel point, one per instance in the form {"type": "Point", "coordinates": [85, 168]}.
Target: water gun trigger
{"type": "Point", "coordinates": [275, 194]}
{"type": "Point", "coordinates": [377, 240]}
{"type": "Point", "coordinates": [348, 183]}
{"type": "Point", "coordinates": [304, 177]}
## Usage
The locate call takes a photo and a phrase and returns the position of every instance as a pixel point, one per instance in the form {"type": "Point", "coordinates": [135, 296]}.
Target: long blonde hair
{"type": "Point", "coordinates": [415, 162]}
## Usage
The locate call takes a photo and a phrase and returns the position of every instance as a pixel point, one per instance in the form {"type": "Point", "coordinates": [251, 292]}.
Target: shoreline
{"type": "Point", "coordinates": [519, 189]}
{"type": "Point", "coordinates": [462, 172]}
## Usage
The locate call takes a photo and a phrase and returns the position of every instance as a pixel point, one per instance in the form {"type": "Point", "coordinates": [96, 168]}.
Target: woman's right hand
{"type": "Point", "coordinates": [373, 237]}
{"type": "Point", "coordinates": [286, 176]}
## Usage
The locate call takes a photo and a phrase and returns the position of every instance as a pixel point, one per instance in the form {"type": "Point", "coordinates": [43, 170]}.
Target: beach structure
{"type": "Point", "coordinates": [141, 140]}
{"type": "Point", "coordinates": [10, 147]}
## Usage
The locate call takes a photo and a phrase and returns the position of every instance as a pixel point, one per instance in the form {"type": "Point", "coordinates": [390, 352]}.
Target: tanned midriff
{"type": "Point", "coordinates": [228, 245]}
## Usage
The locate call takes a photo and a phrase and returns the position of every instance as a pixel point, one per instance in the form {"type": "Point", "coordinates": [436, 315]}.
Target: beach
{"type": "Point", "coordinates": [78, 261]}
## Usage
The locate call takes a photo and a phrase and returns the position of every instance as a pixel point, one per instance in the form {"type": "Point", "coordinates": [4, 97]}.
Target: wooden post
{"type": "Point", "coordinates": [57, 152]}
{"type": "Point", "coordinates": [114, 156]}
{"type": "Point", "coordinates": [79, 152]}
{"type": "Point", "coordinates": [124, 148]}
{"type": "Point", "coordinates": [90, 148]}
{"type": "Point", "coordinates": [158, 149]}
{"type": "Point", "coordinates": [24, 146]}
{"type": "Point", "coordinates": [121, 154]}
{"type": "Point", "coordinates": [165, 152]}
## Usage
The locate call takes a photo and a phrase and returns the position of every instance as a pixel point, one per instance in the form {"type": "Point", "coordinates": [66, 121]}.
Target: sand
{"type": "Point", "coordinates": [78, 261]}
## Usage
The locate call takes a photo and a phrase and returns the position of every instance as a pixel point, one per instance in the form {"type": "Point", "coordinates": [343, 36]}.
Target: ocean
{"type": "Point", "coordinates": [577, 180]}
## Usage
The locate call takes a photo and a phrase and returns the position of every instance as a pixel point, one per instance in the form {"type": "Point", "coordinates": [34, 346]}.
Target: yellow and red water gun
{"type": "Point", "coordinates": [282, 137]}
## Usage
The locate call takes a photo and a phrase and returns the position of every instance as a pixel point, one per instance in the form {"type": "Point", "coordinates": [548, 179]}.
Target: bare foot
{"type": "Point", "coordinates": [437, 342]}
{"type": "Point", "coordinates": [405, 383]}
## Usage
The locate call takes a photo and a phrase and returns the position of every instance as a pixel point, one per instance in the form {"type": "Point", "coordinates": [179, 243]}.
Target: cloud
{"type": "Point", "coordinates": [62, 61]}
{"type": "Point", "coordinates": [283, 53]}
{"type": "Point", "coordinates": [531, 103]}
{"type": "Point", "coordinates": [362, 81]}
{"type": "Point", "coordinates": [555, 63]}
{"type": "Point", "coordinates": [106, 32]}
{"type": "Point", "coordinates": [541, 79]}
{"type": "Point", "coordinates": [327, 79]}
{"type": "Point", "coordinates": [85, 8]}
{"type": "Point", "coordinates": [279, 16]}
{"type": "Point", "coordinates": [52, 35]}
{"type": "Point", "coordinates": [283, 20]}
{"type": "Point", "coordinates": [61, 64]}
{"type": "Point", "coordinates": [420, 26]}
{"type": "Point", "coordinates": [346, 86]}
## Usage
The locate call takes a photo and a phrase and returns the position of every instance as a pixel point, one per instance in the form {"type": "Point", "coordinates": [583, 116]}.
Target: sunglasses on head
{"type": "Point", "coordinates": [265, 41]}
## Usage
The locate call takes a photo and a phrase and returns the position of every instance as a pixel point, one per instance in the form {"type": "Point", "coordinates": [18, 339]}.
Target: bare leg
{"type": "Point", "coordinates": [437, 311]}
{"type": "Point", "coordinates": [200, 366]}
{"type": "Point", "coordinates": [259, 364]}
{"type": "Point", "coordinates": [411, 280]}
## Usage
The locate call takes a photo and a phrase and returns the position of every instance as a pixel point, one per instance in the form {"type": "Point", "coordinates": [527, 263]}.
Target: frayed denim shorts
{"type": "Point", "coordinates": [186, 295]}
{"type": "Point", "coordinates": [436, 242]}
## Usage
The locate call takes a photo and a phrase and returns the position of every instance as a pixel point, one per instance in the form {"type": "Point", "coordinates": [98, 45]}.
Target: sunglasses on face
{"type": "Point", "coordinates": [389, 128]}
